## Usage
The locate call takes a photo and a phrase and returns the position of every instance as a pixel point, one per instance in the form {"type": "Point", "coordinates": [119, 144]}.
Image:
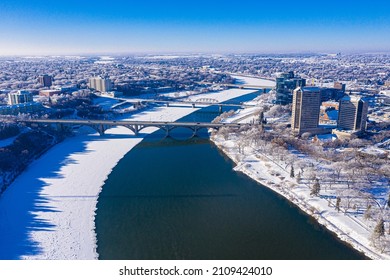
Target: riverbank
{"type": "Point", "coordinates": [266, 171]}
{"type": "Point", "coordinates": [48, 211]}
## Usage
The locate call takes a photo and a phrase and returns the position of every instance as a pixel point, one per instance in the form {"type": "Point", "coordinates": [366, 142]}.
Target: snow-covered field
{"type": "Point", "coordinates": [48, 211]}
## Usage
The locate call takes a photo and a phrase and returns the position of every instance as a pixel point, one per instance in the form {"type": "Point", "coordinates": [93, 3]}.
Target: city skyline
{"type": "Point", "coordinates": [44, 27]}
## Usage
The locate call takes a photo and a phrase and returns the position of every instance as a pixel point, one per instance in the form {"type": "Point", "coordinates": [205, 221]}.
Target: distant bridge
{"type": "Point", "coordinates": [197, 102]}
{"type": "Point", "coordinates": [240, 86]}
{"type": "Point", "coordinates": [135, 126]}
{"type": "Point", "coordinates": [207, 100]}
{"type": "Point", "coordinates": [194, 104]}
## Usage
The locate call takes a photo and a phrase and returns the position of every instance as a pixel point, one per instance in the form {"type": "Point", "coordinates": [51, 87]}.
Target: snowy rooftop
{"type": "Point", "coordinates": [353, 98]}
{"type": "Point", "coordinates": [315, 89]}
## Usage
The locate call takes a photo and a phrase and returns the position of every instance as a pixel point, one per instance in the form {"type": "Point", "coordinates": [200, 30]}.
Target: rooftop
{"type": "Point", "coordinates": [353, 98]}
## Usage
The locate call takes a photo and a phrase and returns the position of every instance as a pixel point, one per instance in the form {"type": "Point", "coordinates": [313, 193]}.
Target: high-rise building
{"type": "Point", "coordinates": [45, 80]}
{"type": "Point", "coordinates": [22, 96]}
{"type": "Point", "coordinates": [100, 84]}
{"type": "Point", "coordinates": [305, 110]}
{"type": "Point", "coordinates": [285, 84]}
{"type": "Point", "coordinates": [352, 113]}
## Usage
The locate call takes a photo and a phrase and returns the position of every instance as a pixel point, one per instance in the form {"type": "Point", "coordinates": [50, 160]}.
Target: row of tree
{"type": "Point", "coordinates": [8, 130]}
{"type": "Point", "coordinates": [352, 180]}
{"type": "Point", "coordinates": [15, 157]}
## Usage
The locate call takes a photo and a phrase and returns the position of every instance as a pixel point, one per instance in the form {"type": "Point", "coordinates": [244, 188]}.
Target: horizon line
{"type": "Point", "coordinates": [195, 53]}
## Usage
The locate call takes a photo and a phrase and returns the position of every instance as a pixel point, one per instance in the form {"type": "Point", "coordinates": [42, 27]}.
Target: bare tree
{"type": "Point", "coordinates": [299, 177]}
{"type": "Point", "coordinates": [315, 191]}
{"type": "Point", "coordinates": [367, 213]}
{"type": "Point", "coordinates": [379, 229]}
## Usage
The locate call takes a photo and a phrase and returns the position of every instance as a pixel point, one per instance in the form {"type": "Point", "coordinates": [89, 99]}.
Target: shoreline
{"type": "Point", "coordinates": [262, 170]}
{"type": "Point", "coordinates": [48, 212]}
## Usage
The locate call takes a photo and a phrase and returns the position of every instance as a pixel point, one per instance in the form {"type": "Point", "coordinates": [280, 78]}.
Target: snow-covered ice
{"type": "Point", "coordinates": [48, 211]}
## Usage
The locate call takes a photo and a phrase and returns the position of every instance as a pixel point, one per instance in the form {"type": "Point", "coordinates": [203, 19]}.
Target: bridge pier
{"type": "Point", "coordinates": [167, 130]}
{"type": "Point", "coordinates": [193, 105]}
{"type": "Point", "coordinates": [133, 127]}
{"type": "Point", "coordinates": [136, 129]}
{"type": "Point", "coordinates": [220, 108]}
{"type": "Point", "coordinates": [100, 128]}
{"type": "Point", "coordinates": [195, 132]}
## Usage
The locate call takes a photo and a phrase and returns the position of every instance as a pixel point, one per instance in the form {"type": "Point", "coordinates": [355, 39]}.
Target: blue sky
{"type": "Point", "coordinates": [39, 27]}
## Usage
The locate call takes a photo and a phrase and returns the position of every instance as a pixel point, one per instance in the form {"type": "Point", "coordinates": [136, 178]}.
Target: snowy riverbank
{"type": "Point", "coordinates": [263, 169]}
{"type": "Point", "coordinates": [48, 211]}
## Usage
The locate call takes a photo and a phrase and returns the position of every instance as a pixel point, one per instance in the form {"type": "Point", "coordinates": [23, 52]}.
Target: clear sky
{"type": "Point", "coordinates": [40, 27]}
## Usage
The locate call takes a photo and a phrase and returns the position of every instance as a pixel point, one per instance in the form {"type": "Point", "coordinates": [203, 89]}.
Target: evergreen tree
{"type": "Point", "coordinates": [388, 201]}
{"type": "Point", "coordinates": [292, 174]}
{"type": "Point", "coordinates": [316, 188]}
{"type": "Point", "coordinates": [379, 229]}
{"type": "Point", "coordinates": [261, 117]}
{"type": "Point", "coordinates": [338, 201]}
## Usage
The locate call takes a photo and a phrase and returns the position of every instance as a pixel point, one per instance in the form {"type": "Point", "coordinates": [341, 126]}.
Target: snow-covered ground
{"type": "Point", "coordinates": [265, 170]}
{"type": "Point", "coordinates": [253, 81]}
{"type": "Point", "coordinates": [48, 211]}
{"type": "Point", "coordinates": [6, 142]}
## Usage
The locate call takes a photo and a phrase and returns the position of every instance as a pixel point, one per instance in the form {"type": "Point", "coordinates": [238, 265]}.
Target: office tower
{"type": "Point", "coordinates": [352, 113]}
{"type": "Point", "coordinates": [285, 84]}
{"type": "Point", "coordinates": [305, 110]}
{"type": "Point", "coordinates": [22, 96]}
{"type": "Point", "coordinates": [100, 84]}
{"type": "Point", "coordinates": [46, 80]}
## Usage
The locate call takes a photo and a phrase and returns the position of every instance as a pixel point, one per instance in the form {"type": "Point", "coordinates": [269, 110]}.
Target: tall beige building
{"type": "Point", "coordinates": [352, 113]}
{"type": "Point", "coordinates": [305, 110]}
{"type": "Point", "coordinates": [100, 84]}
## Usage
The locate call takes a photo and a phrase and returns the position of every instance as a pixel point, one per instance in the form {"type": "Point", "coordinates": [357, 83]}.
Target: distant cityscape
{"type": "Point", "coordinates": [346, 96]}
{"type": "Point", "coordinates": [315, 85]}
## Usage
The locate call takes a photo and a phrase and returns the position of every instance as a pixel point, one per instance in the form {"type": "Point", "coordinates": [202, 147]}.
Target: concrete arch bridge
{"type": "Point", "coordinates": [135, 126]}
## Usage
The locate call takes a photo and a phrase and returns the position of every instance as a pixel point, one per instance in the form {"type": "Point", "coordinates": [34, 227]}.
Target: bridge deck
{"type": "Point", "coordinates": [115, 123]}
{"type": "Point", "coordinates": [173, 102]}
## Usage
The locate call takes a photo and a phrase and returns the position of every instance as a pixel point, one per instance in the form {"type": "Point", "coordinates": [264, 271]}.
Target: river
{"type": "Point", "coordinates": [181, 199]}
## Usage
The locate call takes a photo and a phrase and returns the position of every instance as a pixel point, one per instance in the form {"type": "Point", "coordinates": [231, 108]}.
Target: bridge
{"type": "Point", "coordinates": [135, 126]}
{"type": "Point", "coordinates": [197, 102]}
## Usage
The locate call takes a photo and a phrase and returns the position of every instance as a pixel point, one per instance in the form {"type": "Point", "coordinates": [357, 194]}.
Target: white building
{"type": "Point", "coordinates": [22, 96]}
{"type": "Point", "coordinates": [100, 84]}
